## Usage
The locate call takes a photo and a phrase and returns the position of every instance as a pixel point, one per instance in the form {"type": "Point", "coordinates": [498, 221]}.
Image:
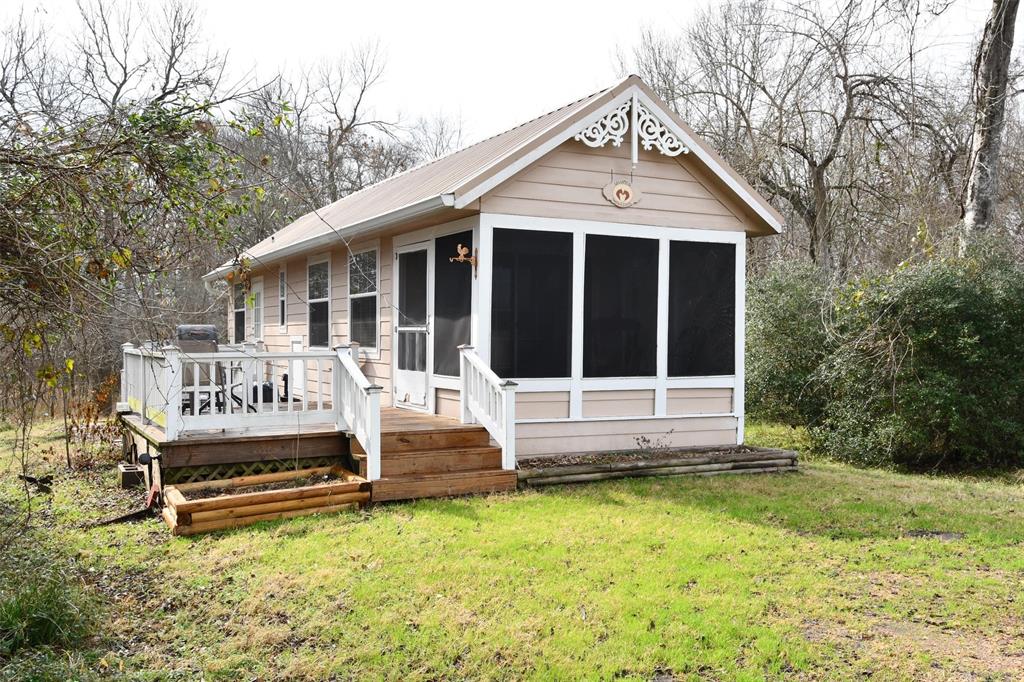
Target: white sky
{"type": "Point", "coordinates": [493, 64]}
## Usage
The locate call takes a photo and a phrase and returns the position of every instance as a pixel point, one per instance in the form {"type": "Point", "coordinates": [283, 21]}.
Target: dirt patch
{"type": "Point", "coordinates": [944, 535]}
{"type": "Point", "coordinates": [547, 461]}
{"type": "Point", "coordinates": [954, 654]}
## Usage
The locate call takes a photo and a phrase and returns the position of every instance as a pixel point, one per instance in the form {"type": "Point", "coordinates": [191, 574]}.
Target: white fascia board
{"type": "Point", "coordinates": [346, 233]}
{"type": "Point", "coordinates": [713, 165]}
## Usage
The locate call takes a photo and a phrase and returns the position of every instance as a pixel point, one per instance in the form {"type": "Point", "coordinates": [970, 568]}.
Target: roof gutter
{"type": "Point", "coordinates": [347, 233]}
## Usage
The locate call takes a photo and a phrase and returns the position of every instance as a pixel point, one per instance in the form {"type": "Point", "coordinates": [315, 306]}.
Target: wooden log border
{"type": "Point", "coordinates": [764, 460]}
{"type": "Point", "coordinates": [189, 517]}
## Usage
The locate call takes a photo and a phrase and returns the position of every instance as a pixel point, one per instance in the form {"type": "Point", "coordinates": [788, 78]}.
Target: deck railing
{"type": "Point", "coordinates": [147, 384]}
{"type": "Point", "coordinates": [235, 389]}
{"type": "Point", "coordinates": [359, 402]}
{"type": "Point", "coordinates": [490, 401]}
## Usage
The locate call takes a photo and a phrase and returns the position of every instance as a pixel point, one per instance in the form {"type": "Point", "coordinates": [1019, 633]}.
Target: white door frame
{"type": "Point", "coordinates": [400, 376]}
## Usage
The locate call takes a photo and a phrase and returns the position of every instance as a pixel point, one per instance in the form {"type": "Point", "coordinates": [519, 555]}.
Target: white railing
{"type": "Point", "coordinates": [359, 411]}
{"type": "Point", "coordinates": [240, 388]}
{"type": "Point", "coordinates": [227, 389]}
{"type": "Point", "coordinates": [489, 400]}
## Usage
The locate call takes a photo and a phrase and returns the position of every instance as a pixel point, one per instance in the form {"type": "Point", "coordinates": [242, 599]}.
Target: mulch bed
{"type": "Point", "coordinates": [304, 482]}
{"type": "Point", "coordinates": [547, 461]}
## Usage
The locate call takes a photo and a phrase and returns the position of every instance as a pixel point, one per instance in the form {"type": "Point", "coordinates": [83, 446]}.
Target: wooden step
{"type": "Point", "coordinates": [442, 485]}
{"type": "Point", "coordinates": [435, 439]}
{"type": "Point", "coordinates": [439, 461]}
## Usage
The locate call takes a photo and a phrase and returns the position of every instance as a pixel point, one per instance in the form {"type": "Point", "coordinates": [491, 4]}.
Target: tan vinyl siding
{"type": "Point", "coordinates": [635, 403]}
{"type": "Point", "coordinates": [542, 405]}
{"type": "Point", "coordinates": [568, 183]}
{"type": "Point", "coordinates": [622, 434]}
{"type": "Point", "coordinates": [446, 403]}
{"type": "Point", "coordinates": [699, 400]}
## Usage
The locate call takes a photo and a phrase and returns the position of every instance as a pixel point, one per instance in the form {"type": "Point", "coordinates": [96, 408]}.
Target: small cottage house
{"type": "Point", "coordinates": [575, 284]}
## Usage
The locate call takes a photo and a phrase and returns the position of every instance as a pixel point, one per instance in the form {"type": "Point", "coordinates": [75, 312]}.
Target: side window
{"type": "Point", "coordinates": [239, 308]}
{"type": "Point", "coordinates": [363, 307]}
{"type": "Point", "coordinates": [282, 299]}
{"type": "Point", "coordinates": [318, 295]}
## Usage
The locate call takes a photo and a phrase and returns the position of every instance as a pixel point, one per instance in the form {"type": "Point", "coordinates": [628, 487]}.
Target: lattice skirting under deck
{"type": "Point", "coordinates": [216, 472]}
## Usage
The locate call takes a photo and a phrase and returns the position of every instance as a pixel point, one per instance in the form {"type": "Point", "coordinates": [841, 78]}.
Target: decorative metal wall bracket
{"type": "Point", "coordinates": [464, 257]}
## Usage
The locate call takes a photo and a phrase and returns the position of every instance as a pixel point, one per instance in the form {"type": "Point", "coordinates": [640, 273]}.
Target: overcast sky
{"type": "Point", "coordinates": [493, 64]}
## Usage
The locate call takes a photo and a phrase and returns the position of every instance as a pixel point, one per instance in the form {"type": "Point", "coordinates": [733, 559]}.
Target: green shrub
{"type": "Point", "coordinates": [926, 367]}
{"type": "Point", "coordinates": [785, 343]}
{"type": "Point", "coordinates": [39, 607]}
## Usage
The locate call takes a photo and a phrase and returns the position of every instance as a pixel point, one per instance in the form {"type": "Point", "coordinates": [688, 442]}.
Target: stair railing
{"type": "Point", "coordinates": [358, 406]}
{"type": "Point", "coordinates": [490, 401]}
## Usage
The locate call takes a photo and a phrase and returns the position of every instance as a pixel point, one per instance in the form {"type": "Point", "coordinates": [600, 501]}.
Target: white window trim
{"type": "Point", "coordinates": [282, 323]}
{"type": "Point", "coordinates": [250, 305]}
{"type": "Point", "coordinates": [373, 351]}
{"type": "Point", "coordinates": [245, 315]}
{"type": "Point", "coordinates": [311, 261]}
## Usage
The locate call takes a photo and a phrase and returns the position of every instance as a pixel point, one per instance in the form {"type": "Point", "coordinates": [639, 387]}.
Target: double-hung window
{"type": "Point", "coordinates": [362, 298]}
{"type": "Point", "coordinates": [238, 299]}
{"type": "Point", "coordinates": [282, 299]}
{"type": "Point", "coordinates": [318, 274]}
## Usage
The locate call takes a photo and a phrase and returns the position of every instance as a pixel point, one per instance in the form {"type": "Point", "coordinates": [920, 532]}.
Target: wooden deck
{"type": "Point", "coordinates": [422, 455]}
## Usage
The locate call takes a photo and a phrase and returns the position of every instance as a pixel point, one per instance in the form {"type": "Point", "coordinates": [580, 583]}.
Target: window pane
{"type": "Point", "coordinates": [319, 332]}
{"type": "Point", "coordinates": [318, 281]}
{"type": "Point", "coordinates": [362, 272]}
{"type": "Point", "coordinates": [282, 295]}
{"type": "Point", "coordinates": [363, 321]}
{"type": "Point", "coordinates": [239, 296]}
{"type": "Point", "coordinates": [620, 307]}
{"type": "Point", "coordinates": [702, 309]}
{"type": "Point", "coordinates": [531, 310]}
{"type": "Point", "coordinates": [453, 298]}
{"type": "Point", "coordinates": [239, 326]}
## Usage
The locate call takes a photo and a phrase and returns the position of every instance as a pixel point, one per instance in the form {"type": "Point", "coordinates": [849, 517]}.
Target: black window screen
{"type": "Point", "coordinates": [412, 295]}
{"type": "Point", "coordinates": [319, 333]}
{"type": "Point", "coordinates": [453, 299]}
{"type": "Point", "coordinates": [702, 309]}
{"type": "Point", "coordinates": [531, 310]}
{"type": "Point", "coordinates": [620, 307]}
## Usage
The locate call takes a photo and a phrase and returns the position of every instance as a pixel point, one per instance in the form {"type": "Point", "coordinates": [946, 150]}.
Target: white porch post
{"type": "Point", "coordinates": [465, 414]}
{"type": "Point", "coordinates": [508, 449]}
{"type": "Point", "coordinates": [122, 406]}
{"type": "Point", "coordinates": [741, 337]}
{"type": "Point", "coordinates": [373, 392]}
{"type": "Point", "coordinates": [172, 380]}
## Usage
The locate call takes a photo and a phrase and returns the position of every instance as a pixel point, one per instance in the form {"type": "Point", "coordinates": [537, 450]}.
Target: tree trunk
{"type": "Point", "coordinates": [991, 74]}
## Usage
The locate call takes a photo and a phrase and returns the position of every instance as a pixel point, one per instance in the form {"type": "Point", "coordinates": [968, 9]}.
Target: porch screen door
{"type": "Point", "coordinates": [413, 330]}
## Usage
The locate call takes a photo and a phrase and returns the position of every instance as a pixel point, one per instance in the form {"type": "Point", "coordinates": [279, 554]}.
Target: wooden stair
{"type": "Point", "coordinates": [432, 456]}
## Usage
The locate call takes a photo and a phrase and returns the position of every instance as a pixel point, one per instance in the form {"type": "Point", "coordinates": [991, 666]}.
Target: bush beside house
{"type": "Point", "coordinates": [920, 368]}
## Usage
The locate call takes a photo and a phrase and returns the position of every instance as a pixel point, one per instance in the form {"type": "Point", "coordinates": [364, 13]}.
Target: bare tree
{"type": "Point", "coordinates": [991, 81]}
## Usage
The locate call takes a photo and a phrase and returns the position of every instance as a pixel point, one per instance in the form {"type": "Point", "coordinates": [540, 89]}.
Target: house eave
{"type": "Point", "coordinates": [347, 233]}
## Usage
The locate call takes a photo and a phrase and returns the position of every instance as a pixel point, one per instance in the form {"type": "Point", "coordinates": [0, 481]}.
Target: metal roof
{"type": "Point", "coordinates": [440, 184]}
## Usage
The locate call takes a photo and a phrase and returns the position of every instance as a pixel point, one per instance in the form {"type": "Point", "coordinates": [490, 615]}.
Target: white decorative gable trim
{"type": "Point", "coordinates": [611, 127]}
{"type": "Point", "coordinates": [646, 128]}
{"type": "Point", "coordinates": [656, 135]}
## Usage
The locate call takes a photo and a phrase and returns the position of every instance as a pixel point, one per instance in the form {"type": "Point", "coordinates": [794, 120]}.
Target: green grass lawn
{"type": "Point", "coordinates": [829, 573]}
